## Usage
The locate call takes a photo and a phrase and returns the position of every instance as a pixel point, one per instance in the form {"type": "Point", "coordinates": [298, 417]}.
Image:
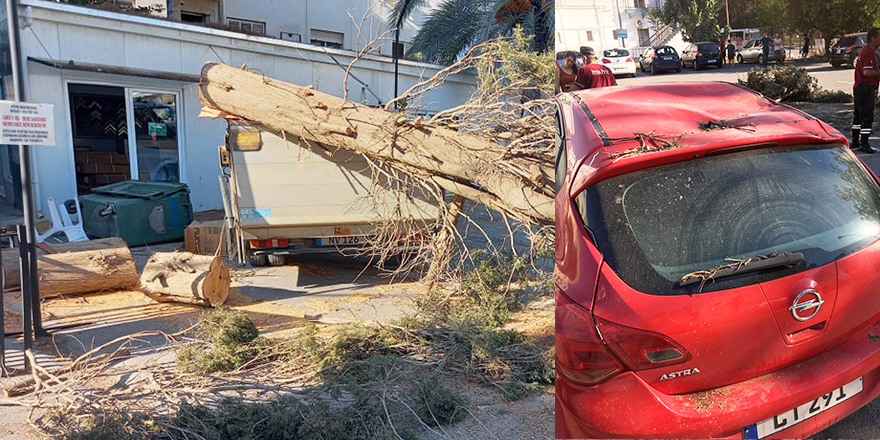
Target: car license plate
{"type": "Point", "coordinates": [342, 240]}
{"type": "Point", "coordinates": [794, 416]}
{"type": "Point", "coordinates": [710, 61]}
{"type": "Point", "coordinates": [667, 58]}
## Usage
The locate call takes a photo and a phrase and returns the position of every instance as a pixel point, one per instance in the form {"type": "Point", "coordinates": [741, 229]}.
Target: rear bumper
{"type": "Point", "coordinates": [667, 65]}
{"type": "Point", "coordinates": [631, 408]}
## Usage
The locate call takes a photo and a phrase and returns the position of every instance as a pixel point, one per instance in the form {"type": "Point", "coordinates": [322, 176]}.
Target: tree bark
{"type": "Point", "coordinates": [82, 267]}
{"type": "Point", "coordinates": [465, 164]}
{"type": "Point", "coordinates": [186, 278]}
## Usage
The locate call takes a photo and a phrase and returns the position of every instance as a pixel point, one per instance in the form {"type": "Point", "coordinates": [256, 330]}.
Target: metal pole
{"type": "Point", "coordinates": [2, 306]}
{"type": "Point", "coordinates": [619, 23]}
{"type": "Point", "coordinates": [27, 326]}
{"type": "Point", "coordinates": [396, 61]}
{"type": "Point", "coordinates": [30, 286]}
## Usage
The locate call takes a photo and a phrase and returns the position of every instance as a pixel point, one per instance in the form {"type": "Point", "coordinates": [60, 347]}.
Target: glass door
{"type": "Point", "coordinates": [153, 136]}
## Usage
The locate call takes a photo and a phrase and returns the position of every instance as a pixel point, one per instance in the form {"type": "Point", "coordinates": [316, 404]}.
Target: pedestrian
{"type": "Point", "coordinates": [582, 59]}
{"type": "Point", "coordinates": [867, 78]}
{"type": "Point", "coordinates": [766, 42]}
{"type": "Point", "coordinates": [778, 50]}
{"type": "Point", "coordinates": [805, 51]}
{"type": "Point", "coordinates": [731, 53]}
{"type": "Point", "coordinates": [566, 73]}
{"type": "Point", "coordinates": [593, 75]}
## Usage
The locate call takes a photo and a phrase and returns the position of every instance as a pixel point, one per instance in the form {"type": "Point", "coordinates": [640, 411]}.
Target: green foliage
{"type": "Point", "coordinates": [228, 343]}
{"type": "Point", "coordinates": [829, 17]}
{"type": "Point", "coordinates": [100, 425]}
{"type": "Point", "coordinates": [787, 83]}
{"type": "Point", "coordinates": [457, 25]}
{"type": "Point", "coordinates": [698, 19]}
{"type": "Point", "coordinates": [439, 403]}
{"type": "Point", "coordinates": [828, 96]}
{"type": "Point", "coordinates": [509, 62]}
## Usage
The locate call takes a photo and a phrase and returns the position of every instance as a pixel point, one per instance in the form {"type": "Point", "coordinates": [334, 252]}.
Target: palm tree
{"type": "Point", "coordinates": [457, 25]}
{"type": "Point", "coordinates": [401, 10]}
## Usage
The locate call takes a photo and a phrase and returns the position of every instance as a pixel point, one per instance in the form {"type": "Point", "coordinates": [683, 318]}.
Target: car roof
{"type": "Point", "coordinates": [674, 112]}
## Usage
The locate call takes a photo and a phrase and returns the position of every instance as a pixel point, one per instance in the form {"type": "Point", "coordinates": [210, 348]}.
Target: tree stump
{"type": "Point", "coordinates": [187, 278]}
{"type": "Point", "coordinates": [82, 267]}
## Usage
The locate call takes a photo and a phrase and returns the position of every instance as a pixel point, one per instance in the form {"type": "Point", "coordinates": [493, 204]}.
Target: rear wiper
{"type": "Point", "coordinates": [741, 266]}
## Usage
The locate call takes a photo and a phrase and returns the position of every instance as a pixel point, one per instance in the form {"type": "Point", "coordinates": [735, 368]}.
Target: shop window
{"type": "Point", "coordinates": [120, 134]}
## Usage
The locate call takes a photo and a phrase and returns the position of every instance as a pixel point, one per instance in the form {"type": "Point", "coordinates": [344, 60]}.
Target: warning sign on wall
{"type": "Point", "coordinates": [24, 123]}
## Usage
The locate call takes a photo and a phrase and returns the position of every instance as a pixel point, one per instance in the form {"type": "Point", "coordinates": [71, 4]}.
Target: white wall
{"type": "Point", "coordinates": [344, 16]}
{"type": "Point", "coordinates": [64, 32]}
{"type": "Point", "coordinates": [602, 17]}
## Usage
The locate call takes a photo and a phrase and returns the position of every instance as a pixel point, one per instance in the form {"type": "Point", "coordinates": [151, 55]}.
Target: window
{"type": "Point", "coordinates": [192, 17]}
{"type": "Point", "coordinates": [589, 35]}
{"type": "Point", "coordinates": [641, 4]}
{"type": "Point", "coordinates": [290, 36]}
{"type": "Point", "coordinates": [122, 133]}
{"type": "Point", "coordinates": [655, 225]}
{"type": "Point", "coordinates": [644, 37]}
{"type": "Point", "coordinates": [329, 39]}
{"type": "Point", "coordinates": [256, 27]}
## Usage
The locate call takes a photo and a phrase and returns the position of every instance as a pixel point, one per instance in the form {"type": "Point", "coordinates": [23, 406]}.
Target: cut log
{"type": "Point", "coordinates": [187, 278]}
{"type": "Point", "coordinates": [465, 164]}
{"type": "Point", "coordinates": [82, 267]}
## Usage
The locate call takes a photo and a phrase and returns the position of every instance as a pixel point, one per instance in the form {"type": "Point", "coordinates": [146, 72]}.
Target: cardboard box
{"type": "Point", "coordinates": [203, 237]}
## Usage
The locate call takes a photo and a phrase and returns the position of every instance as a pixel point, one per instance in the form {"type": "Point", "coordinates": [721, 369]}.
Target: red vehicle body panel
{"type": "Point", "coordinates": [762, 362]}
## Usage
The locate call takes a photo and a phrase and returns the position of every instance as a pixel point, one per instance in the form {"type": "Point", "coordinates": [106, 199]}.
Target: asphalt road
{"type": "Point", "coordinates": [829, 78]}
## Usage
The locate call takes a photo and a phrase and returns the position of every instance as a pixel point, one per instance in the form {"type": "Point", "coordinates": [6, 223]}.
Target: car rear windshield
{"type": "Point", "coordinates": [708, 48]}
{"type": "Point", "coordinates": [847, 41]}
{"type": "Point", "coordinates": [665, 51]}
{"type": "Point", "coordinates": [656, 225]}
{"type": "Point", "coordinates": [616, 53]}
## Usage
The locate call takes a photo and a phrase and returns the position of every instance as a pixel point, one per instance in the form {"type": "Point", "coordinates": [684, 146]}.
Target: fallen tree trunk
{"type": "Point", "coordinates": [468, 165]}
{"type": "Point", "coordinates": [88, 266]}
{"type": "Point", "coordinates": [186, 278]}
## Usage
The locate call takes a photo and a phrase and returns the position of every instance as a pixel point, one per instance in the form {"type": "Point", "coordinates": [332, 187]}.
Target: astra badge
{"type": "Point", "coordinates": [678, 374]}
{"type": "Point", "coordinates": [806, 305]}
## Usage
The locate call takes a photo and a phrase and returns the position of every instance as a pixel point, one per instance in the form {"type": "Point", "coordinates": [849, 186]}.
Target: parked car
{"type": "Point", "coordinates": [753, 52]}
{"type": "Point", "coordinates": [660, 58]}
{"type": "Point", "coordinates": [700, 55]}
{"type": "Point", "coordinates": [717, 266]}
{"type": "Point", "coordinates": [619, 61]}
{"type": "Point", "coordinates": [847, 49]}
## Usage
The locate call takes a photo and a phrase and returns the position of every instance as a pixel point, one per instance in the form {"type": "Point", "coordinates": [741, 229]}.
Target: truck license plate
{"type": "Point", "coordinates": [794, 416]}
{"type": "Point", "coordinates": [342, 240]}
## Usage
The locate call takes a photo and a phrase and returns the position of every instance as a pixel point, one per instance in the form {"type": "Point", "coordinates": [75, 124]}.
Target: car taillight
{"type": "Point", "coordinates": [850, 48]}
{"type": "Point", "coordinates": [580, 354]}
{"type": "Point", "coordinates": [268, 244]}
{"type": "Point", "coordinates": [640, 349]}
{"type": "Point", "coordinates": [655, 55]}
{"type": "Point", "coordinates": [699, 54]}
{"type": "Point", "coordinates": [606, 61]}
{"type": "Point", "coordinates": [629, 60]}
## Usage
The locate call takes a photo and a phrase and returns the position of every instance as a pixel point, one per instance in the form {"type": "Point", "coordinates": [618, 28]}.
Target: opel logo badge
{"type": "Point", "coordinates": [807, 300]}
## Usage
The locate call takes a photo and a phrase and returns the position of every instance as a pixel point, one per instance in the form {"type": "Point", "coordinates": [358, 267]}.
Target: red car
{"type": "Point", "coordinates": [717, 266]}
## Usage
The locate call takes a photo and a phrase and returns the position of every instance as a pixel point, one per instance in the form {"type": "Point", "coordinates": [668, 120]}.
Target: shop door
{"type": "Point", "coordinates": [153, 135]}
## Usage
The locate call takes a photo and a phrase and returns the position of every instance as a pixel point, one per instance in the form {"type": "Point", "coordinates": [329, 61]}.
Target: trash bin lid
{"type": "Point", "coordinates": [141, 189]}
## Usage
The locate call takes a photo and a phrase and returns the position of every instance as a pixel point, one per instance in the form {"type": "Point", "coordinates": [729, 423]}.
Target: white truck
{"type": "Point", "coordinates": [287, 197]}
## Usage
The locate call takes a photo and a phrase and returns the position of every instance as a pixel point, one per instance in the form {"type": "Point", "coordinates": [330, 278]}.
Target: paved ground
{"type": "Point", "coordinates": [829, 78]}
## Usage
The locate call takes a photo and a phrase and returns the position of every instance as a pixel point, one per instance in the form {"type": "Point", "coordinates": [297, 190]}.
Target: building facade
{"type": "Point", "coordinates": [125, 95]}
{"type": "Point", "coordinates": [595, 23]}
